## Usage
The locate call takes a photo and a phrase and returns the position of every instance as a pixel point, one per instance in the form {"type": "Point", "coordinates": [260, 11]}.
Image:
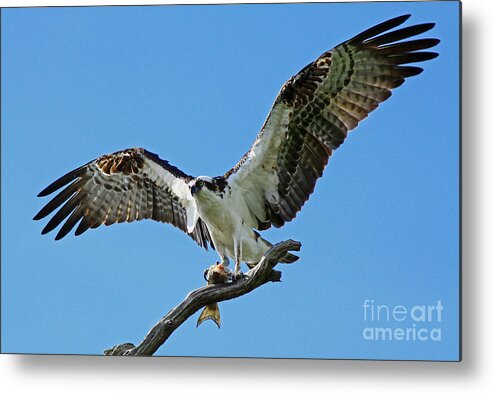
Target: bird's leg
{"type": "Point", "coordinates": [225, 263]}
{"type": "Point", "coordinates": [237, 249]}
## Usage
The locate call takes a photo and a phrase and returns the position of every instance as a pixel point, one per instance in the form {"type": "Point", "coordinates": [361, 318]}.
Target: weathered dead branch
{"type": "Point", "coordinates": [261, 274]}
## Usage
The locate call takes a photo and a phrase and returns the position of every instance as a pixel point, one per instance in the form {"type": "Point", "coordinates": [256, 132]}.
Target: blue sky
{"type": "Point", "coordinates": [194, 84]}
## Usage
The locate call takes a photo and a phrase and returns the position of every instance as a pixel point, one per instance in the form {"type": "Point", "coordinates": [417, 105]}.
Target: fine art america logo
{"type": "Point", "coordinates": [419, 322]}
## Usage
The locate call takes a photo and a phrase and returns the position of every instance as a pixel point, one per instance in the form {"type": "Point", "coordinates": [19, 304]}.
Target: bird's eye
{"type": "Point", "coordinates": [200, 183]}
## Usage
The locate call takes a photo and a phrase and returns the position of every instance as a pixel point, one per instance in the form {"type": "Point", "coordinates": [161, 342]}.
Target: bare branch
{"type": "Point", "coordinates": [261, 274]}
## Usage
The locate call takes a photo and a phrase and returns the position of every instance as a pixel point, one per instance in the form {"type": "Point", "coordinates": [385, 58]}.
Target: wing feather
{"type": "Point", "coordinates": [316, 109]}
{"type": "Point", "coordinates": [125, 186]}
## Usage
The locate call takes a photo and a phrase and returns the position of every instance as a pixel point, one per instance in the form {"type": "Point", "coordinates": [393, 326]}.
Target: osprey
{"type": "Point", "coordinates": [309, 119]}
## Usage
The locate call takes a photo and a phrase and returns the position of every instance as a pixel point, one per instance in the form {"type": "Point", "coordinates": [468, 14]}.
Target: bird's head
{"type": "Point", "coordinates": [204, 186]}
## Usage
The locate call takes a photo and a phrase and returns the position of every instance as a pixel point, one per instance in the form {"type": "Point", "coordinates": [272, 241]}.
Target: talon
{"type": "Point", "coordinates": [238, 276]}
{"type": "Point", "coordinates": [217, 274]}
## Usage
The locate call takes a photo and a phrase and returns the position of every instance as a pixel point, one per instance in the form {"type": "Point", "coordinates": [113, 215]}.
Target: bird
{"type": "Point", "coordinates": [309, 119]}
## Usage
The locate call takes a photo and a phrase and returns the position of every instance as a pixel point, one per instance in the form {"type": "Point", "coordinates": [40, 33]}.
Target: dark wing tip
{"type": "Point", "coordinates": [47, 191]}
{"type": "Point", "coordinates": [45, 230]}
{"type": "Point", "coordinates": [413, 57]}
{"type": "Point", "coordinates": [63, 181]}
{"type": "Point", "coordinates": [398, 35]}
{"type": "Point", "coordinates": [403, 18]}
{"type": "Point", "coordinates": [60, 235]}
{"type": "Point", "coordinates": [423, 27]}
{"type": "Point", "coordinates": [83, 226]}
{"type": "Point", "coordinates": [380, 28]}
{"type": "Point", "coordinates": [408, 71]}
{"type": "Point", "coordinates": [428, 56]}
{"type": "Point", "coordinates": [429, 42]}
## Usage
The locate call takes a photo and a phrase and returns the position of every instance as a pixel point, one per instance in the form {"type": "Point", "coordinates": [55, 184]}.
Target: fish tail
{"type": "Point", "coordinates": [210, 312]}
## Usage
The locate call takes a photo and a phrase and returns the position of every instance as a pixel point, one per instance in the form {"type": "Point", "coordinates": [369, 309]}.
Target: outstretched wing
{"type": "Point", "coordinates": [125, 186]}
{"type": "Point", "coordinates": [314, 112]}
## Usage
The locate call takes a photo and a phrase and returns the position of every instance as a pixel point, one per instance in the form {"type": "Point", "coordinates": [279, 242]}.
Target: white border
{"type": "Point", "coordinates": [94, 374]}
{"type": "Point", "coordinates": [31, 3]}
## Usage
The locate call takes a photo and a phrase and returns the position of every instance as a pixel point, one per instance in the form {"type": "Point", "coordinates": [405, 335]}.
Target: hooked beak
{"type": "Point", "coordinates": [194, 189]}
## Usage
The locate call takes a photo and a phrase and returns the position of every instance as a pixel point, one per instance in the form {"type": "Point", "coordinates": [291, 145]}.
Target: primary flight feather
{"type": "Point", "coordinates": [309, 119]}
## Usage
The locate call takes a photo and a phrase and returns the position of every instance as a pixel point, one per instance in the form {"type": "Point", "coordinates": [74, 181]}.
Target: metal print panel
{"type": "Point", "coordinates": [242, 126]}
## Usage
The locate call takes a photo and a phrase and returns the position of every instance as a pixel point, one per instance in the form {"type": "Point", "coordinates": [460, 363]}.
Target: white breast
{"type": "Point", "coordinates": [228, 218]}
